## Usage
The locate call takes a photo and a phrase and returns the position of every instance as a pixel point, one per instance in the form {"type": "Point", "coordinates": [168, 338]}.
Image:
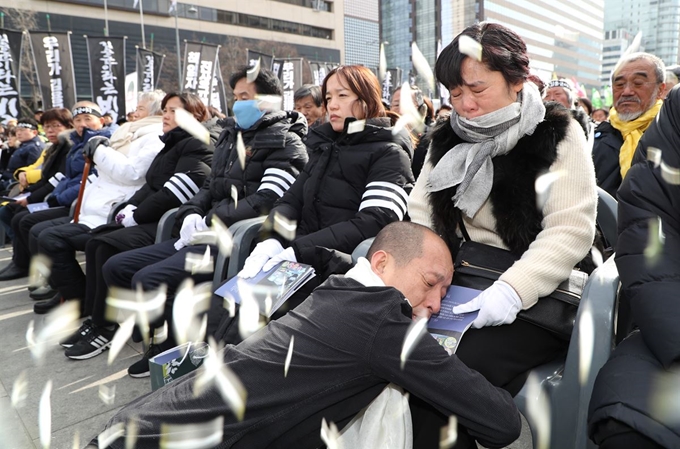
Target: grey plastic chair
{"type": "Point", "coordinates": [361, 250]}
{"type": "Point", "coordinates": [165, 224]}
{"type": "Point", "coordinates": [243, 233]}
{"type": "Point", "coordinates": [567, 396]}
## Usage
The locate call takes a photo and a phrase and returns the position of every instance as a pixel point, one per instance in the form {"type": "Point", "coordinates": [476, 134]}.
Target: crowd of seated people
{"type": "Point", "coordinates": [342, 172]}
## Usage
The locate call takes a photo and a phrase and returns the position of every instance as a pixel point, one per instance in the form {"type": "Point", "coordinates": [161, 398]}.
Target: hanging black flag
{"type": "Point", "coordinates": [199, 69]}
{"type": "Point", "coordinates": [390, 83]}
{"type": "Point", "coordinates": [107, 73]}
{"type": "Point", "coordinates": [54, 69]}
{"type": "Point", "coordinates": [218, 97]}
{"type": "Point", "coordinates": [253, 56]}
{"type": "Point", "coordinates": [316, 78]}
{"type": "Point", "coordinates": [289, 72]}
{"type": "Point", "coordinates": [10, 61]}
{"type": "Point", "coordinates": [149, 64]}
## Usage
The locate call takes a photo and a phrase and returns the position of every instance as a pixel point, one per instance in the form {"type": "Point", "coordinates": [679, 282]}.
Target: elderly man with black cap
{"type": "Point", "coordinates": [87, 119]}
{"type": "Point", "coordinates": [28, 152]}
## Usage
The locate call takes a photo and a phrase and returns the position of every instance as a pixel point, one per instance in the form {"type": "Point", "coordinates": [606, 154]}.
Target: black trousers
{"type": "Point", "coordinates": [150, 267]}
{"type": "Point", "coordinates": [60, 242]}
{"type": "Point", "coordinates": [22, 223]}
{"type": "Point", "coordinates": [502, 354]}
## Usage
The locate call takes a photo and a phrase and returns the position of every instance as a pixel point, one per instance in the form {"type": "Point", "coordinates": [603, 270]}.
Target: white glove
{"type": "Point", "coordinates": [497, 305]}
{"type": "Point", "coordinates": [192, 224]}
{"type": "Point", "coordinates": [124, 217]}
{"type": "Point", "coordinates": [286, 254]}
{"type": "Point", "coordinates": [260, 255]}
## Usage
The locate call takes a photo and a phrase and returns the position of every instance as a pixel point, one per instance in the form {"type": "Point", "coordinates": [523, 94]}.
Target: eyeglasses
{"type": "Point", "coordinates": [634, 84]}
{"type": "Point", "coordinates": [49, 127]}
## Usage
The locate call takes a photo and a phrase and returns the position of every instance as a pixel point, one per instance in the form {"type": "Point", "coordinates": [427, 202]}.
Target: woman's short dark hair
{"type": "Point", "coordinates": [587, 103]}
{"type": "Point", "coordinates": [364, 84]}
{"type": "Point", "coordinates": [191, 102]}
{"type": "Point", "coordinates": [266, 82]}
{"type": "Point", "coordinates": [61, 115]}
{"type": "Point", "coordinates": [502, 51]}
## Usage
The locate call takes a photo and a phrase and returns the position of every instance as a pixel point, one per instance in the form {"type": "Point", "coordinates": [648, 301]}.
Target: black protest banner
{"type": "Point", "coordinates": [199, 69]}
{"type": "Point", "coordinates": [54, 69]}
{"type": "Point", "coordinates": [218, 98]}
{"type": "Point", "coordinates": [149, 64]}
{"type": "Point", "coordinates": [390, 83]}
{"type": "Point", "coordinates": [10, 61]}
{"type": "Point", "coordinates": [289, 72]}
{"type": "Point", "coordinates": [107, 73]}
{"type": "Point", "coordinates": [266, 61]}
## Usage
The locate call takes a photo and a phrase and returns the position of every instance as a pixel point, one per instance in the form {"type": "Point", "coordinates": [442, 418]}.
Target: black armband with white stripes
{"type": "Point", "coordinates": [387, 195]}
{"type": "Point", "coordinates": [182, 186]}
{"type": "Point", "coordinates": [276, 180]}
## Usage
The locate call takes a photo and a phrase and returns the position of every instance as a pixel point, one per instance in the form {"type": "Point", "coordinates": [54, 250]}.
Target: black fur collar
{"type": "Point", "coordinates": [513, 195]}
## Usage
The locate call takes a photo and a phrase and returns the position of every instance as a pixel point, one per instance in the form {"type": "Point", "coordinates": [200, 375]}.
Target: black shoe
{"type": "Point", "coordinates": [12, 272]}
{"type": "Point", "coordinates": [42, 293]}
{"type": "Point", "coordinates": [81, 333]}
{"type": "Point", "coordinates": [42, 308]}
{"type": "Point", "coordinates": [92, 344]}
{"type": "Point", "coordinates": [141, 368]}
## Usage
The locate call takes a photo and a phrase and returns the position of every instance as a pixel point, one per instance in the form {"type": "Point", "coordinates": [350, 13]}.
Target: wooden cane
{"type": "Point", "coordinates": [81, 192]}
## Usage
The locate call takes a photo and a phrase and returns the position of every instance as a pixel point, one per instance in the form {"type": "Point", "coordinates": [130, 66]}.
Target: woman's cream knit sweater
{"type": "Point", "coordinates": [568, 223]}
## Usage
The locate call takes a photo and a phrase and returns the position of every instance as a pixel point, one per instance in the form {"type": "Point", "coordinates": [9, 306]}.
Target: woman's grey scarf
{"type": "Point", "coordinates": [468, 165]}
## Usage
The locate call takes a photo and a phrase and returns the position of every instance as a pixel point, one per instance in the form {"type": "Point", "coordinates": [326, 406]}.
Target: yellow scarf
{"type": "Point", "coordinates": [632, 131]}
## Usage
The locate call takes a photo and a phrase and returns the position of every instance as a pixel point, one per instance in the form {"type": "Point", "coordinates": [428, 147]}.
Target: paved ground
{"type": "Point", "coordinates": [76, 406]}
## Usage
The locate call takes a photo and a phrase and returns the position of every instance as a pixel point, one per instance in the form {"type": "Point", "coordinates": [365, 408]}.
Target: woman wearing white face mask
{"type": "Point", "coordinates": [482, 169]}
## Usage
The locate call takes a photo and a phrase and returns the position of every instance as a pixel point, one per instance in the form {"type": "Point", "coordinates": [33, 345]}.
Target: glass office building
{"type": "Point", "coordinates": [362, 32]}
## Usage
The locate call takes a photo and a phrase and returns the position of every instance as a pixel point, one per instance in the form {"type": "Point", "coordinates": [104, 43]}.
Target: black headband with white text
{"type": "Point", "coordinates": [27, 126]}
{"type": "Point", "coordinates": [86, 110]}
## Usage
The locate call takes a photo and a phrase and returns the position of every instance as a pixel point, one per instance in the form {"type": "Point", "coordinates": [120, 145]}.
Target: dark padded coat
{"type": "Point", "coordinates": [606, 148]}
{"type": "Point", "coordinates": [52, 170]}
{"type": "Point", "coordinates": [275, 156]}
{"type": "Point", "coordinates": [354, 185]}
{"type": "Point", "coordinates": [628, 383]}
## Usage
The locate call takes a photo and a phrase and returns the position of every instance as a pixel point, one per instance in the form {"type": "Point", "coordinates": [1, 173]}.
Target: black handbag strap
{"type": "Point", "coordinates": [463, 230]}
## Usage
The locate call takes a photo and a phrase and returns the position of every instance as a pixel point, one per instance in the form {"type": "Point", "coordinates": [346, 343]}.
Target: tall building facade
{"type": "Point", "coordinates": [615, 43]}
{"type": "Point", "coordinates": [362, 32]}
{"type": "Point", "coordinates": [658, 21]}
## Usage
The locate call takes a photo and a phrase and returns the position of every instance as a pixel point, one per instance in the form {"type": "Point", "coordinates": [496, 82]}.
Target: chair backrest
{"type": "Point", "coordinates": [361, 249]}
{"type": "Point", "coordinates": [607, 216]}
{"type": "Point", "coordinates": [165, 225]}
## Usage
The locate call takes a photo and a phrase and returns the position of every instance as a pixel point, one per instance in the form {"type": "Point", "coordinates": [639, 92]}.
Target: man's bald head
{"type": "Point", "coordinates": [402, 239]}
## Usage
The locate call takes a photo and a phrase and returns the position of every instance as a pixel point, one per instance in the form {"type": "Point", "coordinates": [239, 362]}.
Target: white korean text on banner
{"type": "Point", "coordinates": [266, 60]}
{"type": "Point", "coordinates": [107, 73]}
{"type": "Point", "coordinates": [218, 97]}
{"type": "Point", "coordinates": [149, 64]}
{"type": "Point", "coordinates": [391, 81]}
{"type": "Point", "coordinates": [10, 61]}
{"type": "Point", "coordinates": [199, 69]}
{"type": "Point", "coordinates": [54, 69]}
{"type": "Point", "coordinates": [289, 72]}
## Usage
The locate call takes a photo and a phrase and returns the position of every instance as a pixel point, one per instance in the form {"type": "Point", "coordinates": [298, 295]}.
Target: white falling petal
{"type": "Point", "coordinates": [76, 440]}
{"type": "Point", "coordinates": [565, 34]}
{"type": "Point", "coordinates": [289, 356]}
{"type": "Point", "coordinates": [39, 270]}
{"type": "Point", "coordinates": [654, 156]}
{"type": "Point", "coordinates": [160, 334]}
{"type": "Point", "coordinates": [413, 335]}
{"type": "Point", "coordinates": [190, 302]}
{"type": "Point", "coordinates": [192, 436]}
{"type": "Point", "coordinates": [543, 186]}
{"type": "Point", "coordinates": [199, 263]}
{"type": "Point", "coordinates": [356, 126]}
{"type": "Point", "coordinates": [269, 102]}
{"type": "Point", "coordinates": [58, 323]}
{"type": "Point", "coordinates": [45, 416]}
{"type": "Point", "coordinates": [586, 344]}
{"type": "Point", "coordinates": [634, 46]}
{"type": "Point", "coordinates": [665, 396]}
{"type": "Point", "coordinates": [131, 433]}
{"type": "Point", "coordinates": [215, 372]}
{"type": "Point", "coordinates": [268, 304]}
{"type": "Point", "coordinates": [121, 337]}
{"type": "Point", "coordinates": [470, 47]}
{"type": "Point", "coordinates": [253, 72]}
{"type": "Point", "coordinates": [670, 174]}
{"type": "Point", "coordinates": [382, 67]}
{"type": "Point", "coordinates": [598, 259]}
{"type": "Point", "coordinates": [249, 320]}
{"type": "Point", "coordinates": [188, 123]}
{"type": "Point", "coordinates": [110, 435]}
{"type": "Point", "coordinates": [422, 66]}
{"type": "Point", "coordinates": [107, 394]}
{"type": "Point", "coordinates": [121, 303]}
{"type": "Point", "coordinates": [655, 241]}
{"type": "Point", "coordinates": [538, 412]}
{"type": "Point", "coordinates": [449, 433]}
{"type": "Point", "coordinates": [234, 195]}
{"type": "Point", "coordinates": [410, 118]}
{"type": "Point", "coordinates": [19, 391]}
{"type": "Point", "coordinates": [330, 434]}
{"type": "Point", "coordinates": [241, 150]}
{"type": "Point", "coordinates": [285, 227]}
{"type": "Point", "coordinates": [225, 240]}
{"type": "Point", "coordinates": [230, 305]}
